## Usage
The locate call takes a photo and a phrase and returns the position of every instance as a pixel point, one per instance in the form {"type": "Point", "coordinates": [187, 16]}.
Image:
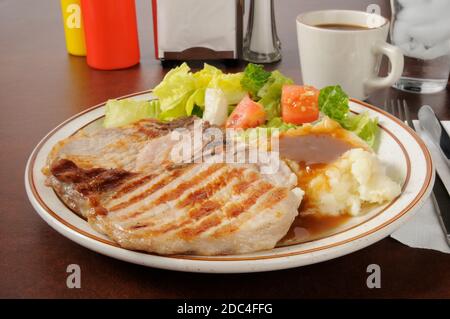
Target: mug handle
{"type": "Point", "coordinates": [395, 57]}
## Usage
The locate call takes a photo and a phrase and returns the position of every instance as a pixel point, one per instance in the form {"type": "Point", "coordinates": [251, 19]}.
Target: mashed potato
{"type": "Point", "coordinates": [357, 177]}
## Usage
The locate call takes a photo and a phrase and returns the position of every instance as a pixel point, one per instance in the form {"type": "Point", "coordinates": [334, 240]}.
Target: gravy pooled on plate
{"type": "Point", "coordinates": [312, 148]}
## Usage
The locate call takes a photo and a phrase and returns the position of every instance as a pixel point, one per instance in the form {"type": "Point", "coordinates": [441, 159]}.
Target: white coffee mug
{"type": "Point", "coordinates": [350, 58]}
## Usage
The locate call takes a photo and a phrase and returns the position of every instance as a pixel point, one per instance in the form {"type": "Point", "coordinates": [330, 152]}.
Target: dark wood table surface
{"type": "Point", "coordinates": [40, 86]}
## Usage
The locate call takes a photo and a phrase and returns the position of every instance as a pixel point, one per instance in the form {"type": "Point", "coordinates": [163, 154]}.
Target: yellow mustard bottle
{"type": "Point", "coordinates": [73, 27]}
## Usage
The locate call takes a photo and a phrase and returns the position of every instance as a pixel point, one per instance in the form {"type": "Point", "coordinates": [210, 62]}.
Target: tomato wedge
{"type": "Point", "coordinates": [247, 114]}
{"type": "Point", "coordinates": [299, 104]}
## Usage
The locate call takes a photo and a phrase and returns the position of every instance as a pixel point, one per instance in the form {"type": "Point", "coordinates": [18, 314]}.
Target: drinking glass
{"type": "Point", "coordinates": [421, 29]}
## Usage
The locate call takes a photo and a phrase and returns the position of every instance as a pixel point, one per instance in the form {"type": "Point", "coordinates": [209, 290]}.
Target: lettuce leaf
{"type": "Point", "coordinates": [122, 112]}
{"type": "Point", "coordinates": [202, 80]}
{"type": "Point", "coordinates": [154, 109]}
{"type": "Point", "coordinates": [333, 102]}
{"type": "Point", "coordinates": [254, 78]}
{"type": "Point", "coordinates": [175, 89]}
{"type": "Point", "coordinates": [270, 94]}
{"type": "Point", "coordinates": [196, 99]}
{"type": "Point", "coordinates": [205, 75]}
{"type": "Point", "coordinates": [230, 84]}
{"type": "Point", "coordinates": [363, 126]}
{"type": "Point", "coordinates": [211, 77]}
{"type": "Point", "coordinates": [173, 113]}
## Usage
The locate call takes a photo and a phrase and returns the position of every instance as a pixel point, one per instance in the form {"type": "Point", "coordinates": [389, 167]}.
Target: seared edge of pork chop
{"type": "Point", "coordinates": [79, 188]}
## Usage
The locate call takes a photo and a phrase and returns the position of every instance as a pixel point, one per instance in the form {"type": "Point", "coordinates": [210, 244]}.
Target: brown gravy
{"type": "Point", "coordinates": [311, 226]}
{"type": "Point", "coordinates": [313, 152]}
{"type": "Point", "coordinates": [322, 143]}
{"type": "Point", "coordinates": [313, 148]}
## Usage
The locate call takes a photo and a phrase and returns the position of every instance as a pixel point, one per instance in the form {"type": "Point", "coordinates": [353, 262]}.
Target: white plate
{"type": "Point", "coordinates": [400, 148]}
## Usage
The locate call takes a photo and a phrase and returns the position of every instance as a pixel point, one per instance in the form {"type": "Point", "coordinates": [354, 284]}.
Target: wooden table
{"type": "Point", "coordinates": [40, 86]}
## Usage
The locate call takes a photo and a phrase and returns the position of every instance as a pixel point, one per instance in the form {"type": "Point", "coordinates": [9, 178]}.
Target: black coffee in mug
{"type": "Point", "coordinates": [342, 27]}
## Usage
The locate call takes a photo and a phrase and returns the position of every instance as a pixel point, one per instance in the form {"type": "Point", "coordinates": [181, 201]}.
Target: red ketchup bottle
{"type": "Point", "coordinates": [111, 33]}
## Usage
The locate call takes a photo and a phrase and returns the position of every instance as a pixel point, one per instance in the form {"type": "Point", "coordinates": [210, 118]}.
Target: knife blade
{"type": "Point", "coordinates": [440, 196]}
{"type": "Point", "coordinates": [441, 201]}
{"type": "Point", "coordinates": [434, 128]}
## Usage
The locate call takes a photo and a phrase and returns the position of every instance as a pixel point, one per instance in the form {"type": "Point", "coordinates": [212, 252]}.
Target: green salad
{"type": "Point", "coordinates": [249, 99]}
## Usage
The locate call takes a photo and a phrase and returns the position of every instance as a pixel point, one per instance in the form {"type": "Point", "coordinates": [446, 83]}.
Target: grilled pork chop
{"type": "Point", "coordinates": [199, 208]}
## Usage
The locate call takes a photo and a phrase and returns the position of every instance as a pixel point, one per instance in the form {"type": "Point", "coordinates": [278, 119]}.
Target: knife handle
{"type": "Point", "coordinates": [441, 201]}
{"type": "Point", "coordinates": [444, 142]}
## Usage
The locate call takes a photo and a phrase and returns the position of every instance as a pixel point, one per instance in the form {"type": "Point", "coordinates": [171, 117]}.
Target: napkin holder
{"type": "Point", "coordinates": [197, 29]}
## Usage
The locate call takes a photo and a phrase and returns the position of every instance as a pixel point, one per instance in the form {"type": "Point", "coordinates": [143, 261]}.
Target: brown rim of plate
{"type": "Point", "coordinates": [413, 203]}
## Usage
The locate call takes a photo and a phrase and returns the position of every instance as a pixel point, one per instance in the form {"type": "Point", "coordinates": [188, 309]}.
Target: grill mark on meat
{"type": "Point", "coordinates": [155, 187]}
{"type": "Point", "coordinates": [192, 216]}
{"type": "Point", "coordinates": [184, 186]}
{"type": "Point", "coordinates": [225, 230]}
{"type": "Point", "coordinates": [201, 199]}
{"type": "Point", "coordinates": [99, 211]}
{"type": "Point", "coordinates": [200, 195]}
{"type": "Point", "coordinates": [274, 197]}
{"type": "Point", "coordinates": [232, 211]}
{"type": "Point", "coordinates": [205, 209]}
{"type": "Point", "coordinates": [133, 185]}
{"type": "Point", "coordinates": [243, 185]}
{"type": "Point", "coordinates": [103, 182]}
{"type": "Point", "coordinates": [209, 206]}
{"type": "Point", "coordinates": [135, 214]}
{"type": "Point", "coordinates": [67, 171]}
{"type": "Point", "coordinates": [97, 208]}
{"type": "Point", "coordinates": [175, 193]}
{"type": "Point", "coordinates": [191, 233]}
{"type": "Point", "coordinates": [249, 180]}
{"type": "Point", "coordinates": [235, 208]}
{"type": "Point", "coordinates": [88, 181]}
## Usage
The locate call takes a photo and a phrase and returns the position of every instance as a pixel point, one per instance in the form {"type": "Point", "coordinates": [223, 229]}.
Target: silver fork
{"type": "Point", "coordinates": [400, 110]}
{"type": "Point", "coordinates": [439, 195]}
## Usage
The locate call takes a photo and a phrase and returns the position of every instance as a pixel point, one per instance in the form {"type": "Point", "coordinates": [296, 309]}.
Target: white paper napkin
{"type": "Point", "coordinates": [184, 24]}
{"type": "Point", "coordinates": [424, 229]}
